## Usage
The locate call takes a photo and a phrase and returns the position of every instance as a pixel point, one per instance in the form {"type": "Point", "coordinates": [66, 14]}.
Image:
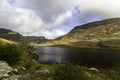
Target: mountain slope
{"type": "Point", "coordinates": [10, 35]}
{"type": "Point", "coordinates": [15, 36]}
{"type": "Point", "coordinates": [105, 34]}
{"type": "Point", "coordinates": [35, 39]}
{"type": "Point", "coordinates": [5, 41]}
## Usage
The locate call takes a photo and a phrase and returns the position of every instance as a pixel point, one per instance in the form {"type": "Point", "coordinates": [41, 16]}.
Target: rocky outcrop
{"type": "Point", "coordinates": [8, 73]}
{"type": "Point", "coordinates": [10, 35]}
{"type": "Point", "coordinates": [5, 69]}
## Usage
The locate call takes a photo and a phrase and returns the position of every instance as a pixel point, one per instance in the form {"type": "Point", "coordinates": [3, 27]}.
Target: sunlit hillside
{"type": "Point", "coordinates": [5, 41]}
{"type": "Point", "coordinates": [100, 34]}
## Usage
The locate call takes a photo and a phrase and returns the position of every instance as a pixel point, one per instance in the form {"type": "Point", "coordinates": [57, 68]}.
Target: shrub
{"type": "Point", "coordinates": [68, 72]}
{"type": "Point", "coordinates": [10, 53]}
{"type": "Point", "coordinates": [114, 74]}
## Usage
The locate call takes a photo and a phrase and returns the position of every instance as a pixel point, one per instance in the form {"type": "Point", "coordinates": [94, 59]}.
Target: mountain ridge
{"type": "Point", "coordinates": [97, 23]}
{"type": "Point", "coordinates": [99, 34]}
{"type": "Point", "coordinates": [10, 35]}
{"type": "Point", "coordinates": [15, 36]}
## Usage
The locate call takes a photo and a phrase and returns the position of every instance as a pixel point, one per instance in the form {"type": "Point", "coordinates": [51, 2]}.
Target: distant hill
{"type": "Point", "coordinates": [10, 35]}
{"type": "Point", "coordinates": [35, 39]}
{"type": "Point", "coordinates": [15, 36]}
{"type": "Point", "coordinates": [105, 34]}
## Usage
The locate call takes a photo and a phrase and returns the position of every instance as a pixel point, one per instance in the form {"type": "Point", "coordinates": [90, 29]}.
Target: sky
{"type": "Point", "coordinates": [53, 18]}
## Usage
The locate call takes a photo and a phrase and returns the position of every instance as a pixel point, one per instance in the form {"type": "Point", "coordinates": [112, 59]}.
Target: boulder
{"type": "Point", "coordinates": [5, 69]}
{"type": "Point", "coordinates": [7, 73]}
{"type": "Point", "coordinates": [46, 71]}
{"type": "Point", "coordinates": [94, 69]}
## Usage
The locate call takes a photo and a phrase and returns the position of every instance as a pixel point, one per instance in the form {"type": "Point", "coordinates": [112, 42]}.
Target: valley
{"type": "Point", "coordinates": [87, 48]}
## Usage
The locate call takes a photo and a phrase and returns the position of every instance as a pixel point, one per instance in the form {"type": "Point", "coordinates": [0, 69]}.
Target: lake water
{"type": "Point", "coordinates": [91, 57]}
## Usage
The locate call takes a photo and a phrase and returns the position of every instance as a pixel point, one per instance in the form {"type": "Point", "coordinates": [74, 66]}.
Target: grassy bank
{"type": "Point", "coordinates": [24, 62]}
{"type": "Point", "coordinates": [75, 72]}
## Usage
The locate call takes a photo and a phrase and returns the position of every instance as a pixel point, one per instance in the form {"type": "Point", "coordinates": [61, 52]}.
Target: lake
{"type": "Point", "coordinates": [90, 57]}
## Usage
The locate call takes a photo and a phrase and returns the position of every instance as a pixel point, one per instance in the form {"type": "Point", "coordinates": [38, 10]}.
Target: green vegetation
{"type": "Point", "coordinates": [76, 72]}
{"type": "Point", "coordinates": [25, 63]}
{"type": "Point", "coordinates": [113, 74]}
{"type": "Point", "coordinates": [68, 72]}
{"type": "Point", "coordinates": [10, 53]}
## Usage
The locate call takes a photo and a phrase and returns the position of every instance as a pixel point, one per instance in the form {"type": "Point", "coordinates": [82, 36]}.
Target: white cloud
{"type": "Point", "coordinates": [27, 22]}
{"type": "Point", "coordinates": [47, 17]}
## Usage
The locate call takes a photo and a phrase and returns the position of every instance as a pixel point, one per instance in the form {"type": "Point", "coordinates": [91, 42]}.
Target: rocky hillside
{"type": "Point", "coordinates": [10, 35]}
{"type": "Point", "coordinates": [105, 34]}
{"type": "Point", "coordinates": [15, 36]}
{"type": "Point", "coordinates": [35, 39]}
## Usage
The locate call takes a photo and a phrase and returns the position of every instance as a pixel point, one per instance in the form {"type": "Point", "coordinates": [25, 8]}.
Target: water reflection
{"type": "Point", "coordinates": [78, 56]}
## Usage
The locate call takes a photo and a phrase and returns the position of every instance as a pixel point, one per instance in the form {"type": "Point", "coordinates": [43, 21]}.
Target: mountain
{"type": "Point", "coordinates": [35, 39]}
{"type": "Point", "coordinates": [99, 34]}
{"type": "Point", "coordinates": [15, 36]}
{"type": "Point", "coordinates": [10, 35]}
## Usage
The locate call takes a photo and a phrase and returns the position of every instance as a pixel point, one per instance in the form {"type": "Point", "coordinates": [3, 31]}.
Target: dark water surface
{"type": "Point", "coordinates": [91, 57]}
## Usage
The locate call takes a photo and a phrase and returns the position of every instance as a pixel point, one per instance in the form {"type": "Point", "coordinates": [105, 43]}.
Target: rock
{"type": "Point", "coordinates": [13, 77]}
{"type": "Point", "coordinates": [18, 77]}
{"type": "Point", "coordinates": [21, 68]}
{"type": "Point", "coordinates": [16, 70]}
{"type": "Point", "coordinates": [46, 71]}
{"type": "Point", "coordinates": [93, 69]}
{"type": "Point", "coordinates": [26, 77]}
{"type": "Point", "coordinates": [6, 73]}
{"type": "Point", "coordinates": [5, 69]}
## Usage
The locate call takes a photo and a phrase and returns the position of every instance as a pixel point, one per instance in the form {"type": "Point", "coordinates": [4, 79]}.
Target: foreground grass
{"type": "Point", "coordinates": [75, 72]}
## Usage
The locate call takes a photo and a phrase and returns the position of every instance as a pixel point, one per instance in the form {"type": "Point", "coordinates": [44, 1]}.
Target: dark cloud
{"type": "Point", "coordinates": [52, 18]}
{"type": "Point", "coordinates": [48, 10]}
